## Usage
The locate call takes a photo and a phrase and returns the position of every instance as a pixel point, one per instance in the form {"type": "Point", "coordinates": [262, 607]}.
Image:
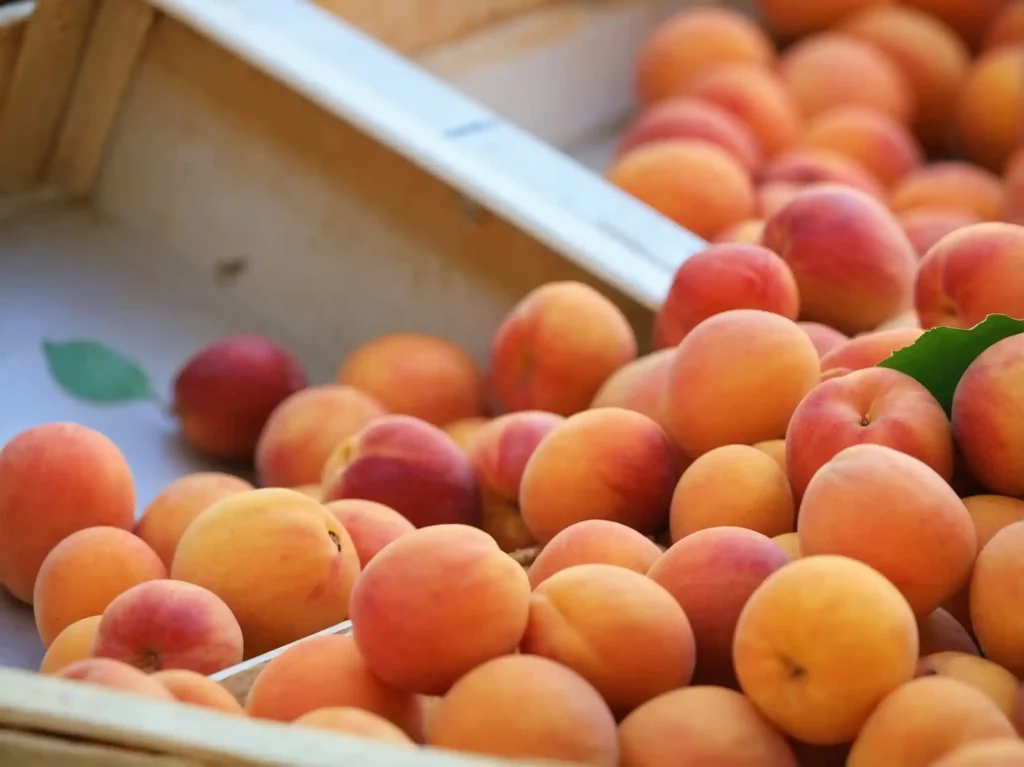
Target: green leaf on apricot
{"type": "Point", "coordinates": [940, 357]}
{"type": "Point", "coordinates": [94, 372]}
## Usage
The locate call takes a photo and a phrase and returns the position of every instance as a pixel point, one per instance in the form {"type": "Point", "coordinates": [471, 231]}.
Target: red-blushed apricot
{"type": "Point", "coordinates": [824, 338]}
{"type": "Point", "coordinates": [164, 520]}
{"type": "Point", "coordinates": [720, 278]}
{"type": "Point", "coordinates": [224, 394]}
{"type": "Point", "coordinates": [689, 118]}
{"type": "Point", "coordinates": [987, 752]}
{"type": "Point", "coordinates": [328, 671]}
{"type": "Point", "coordinates": [410, 466]}
{"type": "Point", "coordinates": [115, 675]}
{"type": "Point", "coordinates": [1006, 27]}
{"type": "Point", "coordinates": [870, 406]}
{"type": "Point", "coordinates": [720, 397]}
{"type": "Point", "coordinates": [969, 18]}
{"type": "Point", "coordinates": [639, 385]}
{"type": "Point", "coordinates": [733, 485]}
{"type": "Point", "coordinates": [924, 227]}
{"type": "Point", "coordinates": [450, 576]}
{"type": "Point", "coordinates": [931, 57]}
{"type": "Point", "coordinates": [607, 463]}
{"type": "Point", "coordinates": [893, 512]}
{"type": "Point", "coordinates": [802, 167]}
{"type": "Point", "coordinates": [701, 725]}
{"type": "Point", "coordinates": [747, 232]}
{"type": "Point", "coordinates": [556, 348]}
{"type": "Point", "coordinates": [499, 457]}
{"type": "Point", "coordinates": [982, 674]}
{"type": "Point", "coordinates": [526, 707]}
{"type": "Point", "coordinates": [370, 525]}
{"type": "Point", "coordinates": [622, 631]}
{"type": "Point", "coordinates": [697, 184]}
{"type": "Point", "coordinates": [591, 542]}
{"type": "Point", "coordinates": [306, 428]}
{"type": "Point", "coordinates": [464, 430]}
{"type": "Point", "coordinates": [57, 479]}
{"type": "Point", "coordinates": [924, 720]}
{"type": "Point", "coordinates": [875, 141]}
{"type": "Point", "coordinates": [758, 97]}
{"type": "Point", "coordinates": [355, 723]}
{"type": "Point", "coordinates": [417, 374]}
{"type": "Point", "coordinates": [868, 349]}
{"type": "Point", "coordinates": [690, 42]}
{"type": "Point", "coordinates": [995, 599]}
{"type": "Point", "coordinates": [953, 185]}
{"type": "Point", "coordinates": [939, 631]}
{"type": "Point", "coordinates": [1014, 178]}
{"type": "Point", "coordinates": [970, 274]}
{"type": "Point", "coordinates": [195, 689]}
{"type": "Point", "coordinates": [73, 644]}
{"type": "Point", "coordinates": [796, 18]}
{"type": "Point", "coordinates": [830, 69]}
{"type": "Point", "coordinates": [281, 561]}
{"type": "Point", "coordinates": [990, 112]}
{"type": "Point", "coordinates": [83, 573]}
{"type": "Point", "coordinates": [712, 574]}
{"type": "Point", "coordinates": [789, 543]}
{"type": "Point", "coordinates": [986, 409]}
{"type": "Point", "coordinates": [820, 643]}
{"type": "Point", "coordinates": [853, 264]}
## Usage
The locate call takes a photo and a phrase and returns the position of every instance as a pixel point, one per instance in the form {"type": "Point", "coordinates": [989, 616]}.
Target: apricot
{"type": "Point", "coordinates": [988, 752]}
{"type": "Point", "coordinates": [867, 350]}
{"type": "Point", "coordinates": [57, 479]}
{"type": "Point", "coordinates": [804, 166]}
{"type": "Point", "coordinates": [923, 721]}
{"type": "Point", "coordinates": [874, 406]}
{"type": "Point", "coordinates": [71, 645]}
{"type": "Point", "coordinates": [115, 675]}
{"type": "Point", "coordinates": [329, 671]}
{"type": "Point", "coordinates": [853, 264]}
{"type": "Point", "coordinates": [282, 562]}
{"type": "Point", "coordinates": [698, 185]}
{"type": "Point", "coordinates": [306, 428]}
{"type": "Point", "coordinates": [773, 196]}
{"type": "Point", "coordinates": [556, 348]}
{"type": "Point", "coordinates": [417, 374]}
{"type": "Point", "coordinates": [622, 631]}
{"type": "Point", "coordinates": [1006, 27]}
{"type": "Point", "coordinates": [463, 431]}
{"type": "Point", "coordinates": [410, 466]}
{"type": "Point", "coordinates": [526, 707]}
{"type": "Point", "coordinates": [193, 688]}
{"type": "Point", "coordinates": [940, 632]}
{"type": "Point", "coordinates": [924, 227]}
{"type": "Point", "coordinates": [594, 541]}
{"type": "Point", "coordinates": [720, 278]}
{"type": "Point", "coordinates": [314, 491]}
{"type": "Point", "coordinates": [607, 463]}
{"type": "Point", "coordinates": [824, 338]}
{"type": "Point", "coordinates": [718, 397]}
{"type": "Point", "coordinates": [990, 111]}
{"type": "Point", "coordinates": [789, 543]}
{"type": "Point", "coordinates": [878, 143]}
{"type": "Point", "coordinates": [747, 232]}
{"type": "Point", "coordinates": [1014, 177]}
{"type": "Point", "coordinates": [639, 385]}
{"type": "Point", "coordinates": [796, 18]}
{"type": "Point", "coordinates": [354, 723]}
{"type": "Point", "coordinates": [701, 725]}
{"type": "Point", "coordinates": [83, 573]}
{"type": "Point", "coordinates": [893, 512]}
{"type": "Point", "coordinates": [499, 457]}
{"type": "Point", "coordinates": [758, 97]}
{"type": "Point", "coordinates": [690, 42]}
{"type": "Point", "coordinates": [735, 485]}
{"type": "Point", "coordinates": [224, 394]}
{"type": "Point", "coordinates": [370, 525]}
{"type": "Point", "coordinates": [991, 513]}
{"type": "Point", "coordinates": [986, 409]}
{"type": "Point", "coordinates": [988, 677]}
{"type": "Point", "coordinates": [689, 118]}
{"type": "Point", "coordinates": [164, 520]}
{"type": "Point", "coordinates": [712, 574]}
{"type": "Point", "coordinates": [774, 449]}
{"type": "Point", "coordinates": [831, 69]}
{"type": "Point", "coordinates": [968, 17]}
{"type": "Point", "coordinates": [995, 599]}
{"type": "Point", "coordinates": [933, 60]}
{"type": "Point", "coordinates": [820, 643]}
{"type": "Point", "coordinates": [435, 604]}
{"type": "Point", "coordinates": [953, 185]}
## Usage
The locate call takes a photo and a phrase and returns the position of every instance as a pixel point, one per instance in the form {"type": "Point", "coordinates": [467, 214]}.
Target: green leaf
{"type": "Point", "coordinates": [940, 357]}
{"type": "Point", "coordinates": [94, 372]}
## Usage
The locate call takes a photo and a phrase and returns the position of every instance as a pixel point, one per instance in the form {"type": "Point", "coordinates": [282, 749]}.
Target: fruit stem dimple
{"type": "Point", "coordinates": [150, 661]}
{"type": "Point", "coordinates": [793, 669]}
{"type": "Point", "coordinates": [334, 537]}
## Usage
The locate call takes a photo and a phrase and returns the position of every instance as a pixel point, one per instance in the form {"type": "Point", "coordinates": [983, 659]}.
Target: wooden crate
{"type": "Point", "coordinates": [172, 171]}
